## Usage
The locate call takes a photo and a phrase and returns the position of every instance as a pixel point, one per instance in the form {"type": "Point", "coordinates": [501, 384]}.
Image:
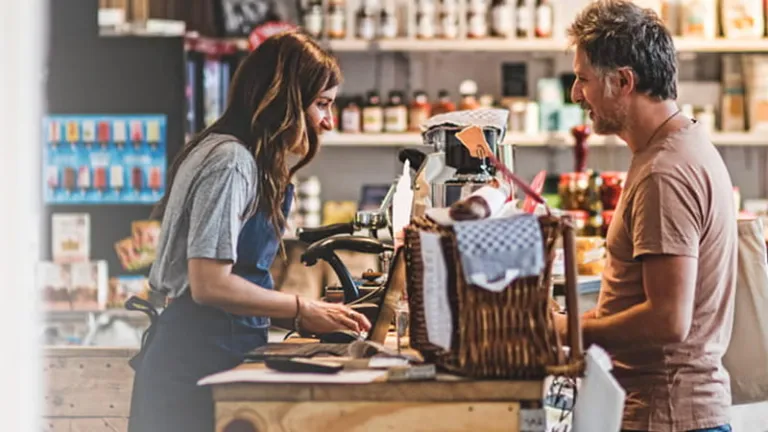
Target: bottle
{"type": "Point", "coordinates": [485, 101]}
{"type": "Point", "coordinates": [477, 25]}
{"type": "Point", "coordinates": [396, 113]}
{"type": "Point", "coordinates": [425, 19]}
{"type": "Point", "coordinates": [388, 21]}
{"type": "Point", "coordinates": [351, 117]}
{"type": "Point", "coordinates": [449, 19]}
{"type": "Point", "coordinates": [468, 91]}
{"type": "Point", "coordinates": [501, 18]}
{"type": "Point", "coordinates": [313, 19]}
{"type": "Point", "coordinates": [366, 22]}
{"type": "Point", "coordinates": [443, 104]}
{"type": "Point", "coordinates": [336, 23]}
{"type": "Point", "coordinates": [373, 114]}
{"type": "Point", "coordinates": [707, 118]}
{"type": "Point", "coordinates": [544, 19]}
{"type": "Point", "coordinates": [524, 19]}
{"type": "Point", "coordinates": [420, 110]}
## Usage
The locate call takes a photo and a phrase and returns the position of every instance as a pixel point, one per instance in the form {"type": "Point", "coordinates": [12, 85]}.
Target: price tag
{"type": "Point", "coordinates": [474, 140]}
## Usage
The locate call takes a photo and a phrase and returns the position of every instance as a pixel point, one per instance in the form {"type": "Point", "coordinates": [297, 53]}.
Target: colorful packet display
{"type": "Point", "coordinates": [104, 159]}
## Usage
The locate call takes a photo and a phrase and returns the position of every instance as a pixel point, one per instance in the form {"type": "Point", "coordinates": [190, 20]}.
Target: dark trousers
{"type": "Point", "coordinates": [189, 342]}
{"type": "Point", "coordinates": [724, 428]}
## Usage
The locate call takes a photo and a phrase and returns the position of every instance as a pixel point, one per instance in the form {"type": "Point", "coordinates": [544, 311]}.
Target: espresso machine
{"type": "Point", "coordinates": [455, 172]}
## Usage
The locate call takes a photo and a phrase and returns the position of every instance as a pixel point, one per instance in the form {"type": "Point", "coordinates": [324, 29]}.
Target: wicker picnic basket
{"type": "Point", "coordinates": [497, 335]}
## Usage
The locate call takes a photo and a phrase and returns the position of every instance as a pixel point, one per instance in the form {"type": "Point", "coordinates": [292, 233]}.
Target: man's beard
{"type": "Point", "coordinates": [608, 124]}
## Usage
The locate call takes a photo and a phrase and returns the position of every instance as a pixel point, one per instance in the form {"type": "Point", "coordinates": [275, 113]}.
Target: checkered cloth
{"type": "Point", "coordinates": [483, 117]}
{"type": "Point", "coordinates": [495, 252]}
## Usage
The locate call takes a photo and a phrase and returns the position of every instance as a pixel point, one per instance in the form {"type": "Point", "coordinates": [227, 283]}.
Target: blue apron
{"type": "Point", "coordinates": [190, 341]}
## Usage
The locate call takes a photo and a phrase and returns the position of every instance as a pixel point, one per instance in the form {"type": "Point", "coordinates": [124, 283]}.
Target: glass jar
{"type": "Point", "coordinates": [573, 190]}
{"type": "Point", "coordinates": [579, 218]}
{"type": "Point", "coordinates": [610, 190]}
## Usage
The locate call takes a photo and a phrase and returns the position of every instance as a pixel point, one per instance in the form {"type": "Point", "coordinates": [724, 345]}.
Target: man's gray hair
{"type": "Point", "coordinates": [620, 34]}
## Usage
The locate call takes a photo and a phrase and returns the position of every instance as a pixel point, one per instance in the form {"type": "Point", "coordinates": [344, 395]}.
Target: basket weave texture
{"type": "Point", "coordinates": [504, 335]}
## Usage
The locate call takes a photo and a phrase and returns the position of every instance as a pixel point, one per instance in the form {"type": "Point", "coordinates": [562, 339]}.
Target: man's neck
{"type": "Point", "coordinates": [647, 121]}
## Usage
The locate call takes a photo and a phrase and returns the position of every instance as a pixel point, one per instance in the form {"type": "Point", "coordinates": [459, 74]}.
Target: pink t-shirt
{"type": "Point", "coordinates": [677, 200]}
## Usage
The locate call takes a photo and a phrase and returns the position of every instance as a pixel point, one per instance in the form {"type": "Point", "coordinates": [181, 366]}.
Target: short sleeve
{"type": "Point", "coordinates": [666, 218]}
{"type": "Point", "coordinates": [215, 220]}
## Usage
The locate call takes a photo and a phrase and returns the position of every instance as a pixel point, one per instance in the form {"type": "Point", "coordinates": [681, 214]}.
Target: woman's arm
{"type": "Point", "coordinates": [212, 283]}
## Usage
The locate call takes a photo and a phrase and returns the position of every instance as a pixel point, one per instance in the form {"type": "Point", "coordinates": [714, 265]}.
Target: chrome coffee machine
{"type": "Point", "coordinates": [466, 172]}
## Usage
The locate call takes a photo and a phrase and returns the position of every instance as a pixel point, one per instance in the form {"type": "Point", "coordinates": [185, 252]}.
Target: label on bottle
{"type": "Point", "coordinates": [313, 23]}
{"type": "Point", "coordinates": [388, 26]}
{"type": "Point", "coordinates": [425, 25]}
{"type": "Point", "coordinates": [524, 21]}
{"type": "Point", "coordinates": [478, 25]}
{"type": "Point", "coordinates": [449, 28]}
{"type": "Point", "coordinates": [366, 28]}
{"type": "Point", "coordinates": [350, 120]}
{"type": "Point", "coordinates": [373, 121]}
{"type": "Point", "coordinates": [396, 119]}
{"type": "Point", "coordinates": [543, 20]}
{"type": "Point", "coordinates": [501, 20]}
{"type": "Point", "coordinates": [418, 116]}
{"type": "Point", "coordinates": [336, 24]}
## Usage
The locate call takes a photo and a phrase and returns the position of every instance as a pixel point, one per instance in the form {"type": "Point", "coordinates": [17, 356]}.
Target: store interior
{"type": "Point", "coordinates": [129, 81]}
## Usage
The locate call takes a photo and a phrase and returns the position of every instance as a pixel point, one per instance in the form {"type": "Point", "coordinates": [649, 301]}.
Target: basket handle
{"type": "Point", "coordinates": [575, 339]}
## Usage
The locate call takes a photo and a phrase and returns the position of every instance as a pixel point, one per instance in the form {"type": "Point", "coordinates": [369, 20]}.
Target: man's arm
{"type": "Point", "coordinates": [664, 317]}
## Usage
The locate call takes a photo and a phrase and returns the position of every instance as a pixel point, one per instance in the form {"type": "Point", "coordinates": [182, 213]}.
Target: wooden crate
{"type": "Point", "coordinates": [87, 389]}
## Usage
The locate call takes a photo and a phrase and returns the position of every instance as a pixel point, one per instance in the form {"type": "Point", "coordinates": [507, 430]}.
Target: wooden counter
{"type": "Point", "coordinates": [87, 389]}
{"type": "Point", "coordinates": [447, 404]}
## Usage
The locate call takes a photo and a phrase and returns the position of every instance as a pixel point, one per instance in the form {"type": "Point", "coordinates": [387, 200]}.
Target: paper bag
{"type": "Point", "coordinates": [747, 356]}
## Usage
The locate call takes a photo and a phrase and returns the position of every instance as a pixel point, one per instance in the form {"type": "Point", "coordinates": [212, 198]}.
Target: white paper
{"type": "Point", "coordinates": [533, 420]}
{"type": "Point", "coordinates": [437, 310]}
{"type": "Point", "coordinates": [600, 402]}
{"type": "Point", "coordinates": [248, 375]}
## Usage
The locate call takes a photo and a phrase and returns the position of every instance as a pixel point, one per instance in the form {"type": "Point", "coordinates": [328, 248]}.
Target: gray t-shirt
{"type": "Point", "coordinates": [211, 192]}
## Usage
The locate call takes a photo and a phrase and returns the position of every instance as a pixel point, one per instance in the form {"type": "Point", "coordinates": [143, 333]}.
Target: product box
{"type": "Point", "coordinates": [94, 159]}
{"type": "Point", "coordinates": [121, 288]}
{"type": "Point", "coordinates": [139, 250]}
{"type": "Point", "coordinates": [70, 237]}
{"type": "Point", "coordinates": [80, 286]}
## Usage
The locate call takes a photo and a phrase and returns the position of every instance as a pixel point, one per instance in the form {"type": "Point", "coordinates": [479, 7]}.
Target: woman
{"type": "Point", "coordinates": [223, 217]}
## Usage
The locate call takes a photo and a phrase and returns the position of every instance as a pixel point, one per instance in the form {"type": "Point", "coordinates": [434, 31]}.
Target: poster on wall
{"type": "Point", "coordinates": [104, 159]}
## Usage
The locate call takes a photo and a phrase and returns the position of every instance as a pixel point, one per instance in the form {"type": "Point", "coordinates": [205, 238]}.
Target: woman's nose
{"type": "Point", "coordinates": [327, 123]}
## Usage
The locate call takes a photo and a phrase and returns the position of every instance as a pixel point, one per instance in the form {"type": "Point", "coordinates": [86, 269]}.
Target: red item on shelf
{"type": "Point", "coordinates": [137, 132]}
{"type": "Point", "coordinates": [100, 178]}
{"type": "Point", "coordinates": [264, 31]}
{"type": "Point", "coordinates": [84, 178]}
{"type": "Point", "coordinates": [137, 178]}
{"type": "Point", "coordinates": [155, 179]}
{"type": "Point", "coordinates": [610, 191]}
{"type": "Point", "coordinates": [103, 132]}
{"type": "Point", "coordinates": [580, 149]}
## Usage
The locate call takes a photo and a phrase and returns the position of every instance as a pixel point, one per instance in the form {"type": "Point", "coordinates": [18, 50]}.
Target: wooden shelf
{"type": "Point", "coordinates": [336, 139]}
{"type": "Point", "coordinates": [719, 45]}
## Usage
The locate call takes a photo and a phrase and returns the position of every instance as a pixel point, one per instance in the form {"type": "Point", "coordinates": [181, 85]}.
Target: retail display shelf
{"type": "Point", "coordinates": [512, 45]}
{"type": "Point", "coordinates": [335, 139]}
{"type": "Point", "coordinates": [719, 45]}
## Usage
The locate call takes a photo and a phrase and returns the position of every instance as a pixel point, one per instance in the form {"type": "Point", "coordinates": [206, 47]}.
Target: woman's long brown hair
{"type": "Point", "coordinates": [266, 111]}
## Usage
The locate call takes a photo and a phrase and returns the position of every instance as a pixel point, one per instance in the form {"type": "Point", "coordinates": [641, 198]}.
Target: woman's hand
{"type": "Point", "coordinates": [323, 317]}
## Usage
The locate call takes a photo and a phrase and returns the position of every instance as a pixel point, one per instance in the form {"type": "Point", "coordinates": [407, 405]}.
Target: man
{"type": "Point", "coordinates": [665, 308]}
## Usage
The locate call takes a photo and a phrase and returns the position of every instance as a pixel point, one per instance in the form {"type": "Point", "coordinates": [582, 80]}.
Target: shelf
{"type": "Point", "coordinates": [336, 139]}
{"type": "Point", "coordinates": [531, 45]}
